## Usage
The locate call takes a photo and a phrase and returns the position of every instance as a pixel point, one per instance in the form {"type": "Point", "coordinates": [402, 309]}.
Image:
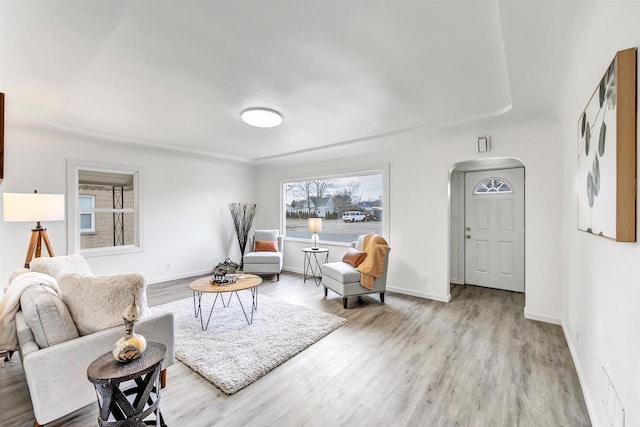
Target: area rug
{"type": "Point", "coordinates": [232, 354]}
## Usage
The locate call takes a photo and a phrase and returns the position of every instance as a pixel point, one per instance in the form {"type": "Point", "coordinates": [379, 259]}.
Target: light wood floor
{"type": "Point", "coordinates": [411, 362]}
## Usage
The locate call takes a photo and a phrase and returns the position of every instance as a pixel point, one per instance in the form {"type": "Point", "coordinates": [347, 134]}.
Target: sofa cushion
{"type": "Point", "coordinates": [359, 242]}
{"type": "Point", "coordinates": [59, 265]}
{"type": "Point", "coordinates": [266, 235]}
{"type": "Point", "coordinates": [341, 271]}
{"type": "Point", "coordinates": [266, 246]}
{"type": "Point", "coordinates": [47, 316]}
{"type": "Point", "coordinates": [354, 257]}
{"type": "Point", "coordinates": [262, 258]}
{"type": "Point", "coordinates": [269, 235]}
{"type": "Point", "coordinates": [97, 302]}
{"type": "Point", "coordinates": [17, 272]}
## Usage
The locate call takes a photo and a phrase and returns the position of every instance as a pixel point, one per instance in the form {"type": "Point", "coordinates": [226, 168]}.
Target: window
{"type": "Point", "coordinates": [104, 208]}
{"type": "Point", "coordinates": [86, 205]}
{"type": "Point", "coordinates": [349, 206]}
{"type": "Point", "coordinates": [493, 185]}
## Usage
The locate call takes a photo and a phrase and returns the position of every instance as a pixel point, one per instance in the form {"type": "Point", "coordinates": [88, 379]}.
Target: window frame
{"type": "Point", "coordinates": [378, 169]}
{"type": "Point", "coordinates": [91, 212]}
{"type": "Point", "coordinates": [483, 193]}
{"type": "Point", "coordinates": [74, 166]}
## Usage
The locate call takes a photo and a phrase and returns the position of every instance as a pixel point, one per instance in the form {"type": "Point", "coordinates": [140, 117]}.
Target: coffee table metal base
{"type": "Point", "coordinates": [197, 306]}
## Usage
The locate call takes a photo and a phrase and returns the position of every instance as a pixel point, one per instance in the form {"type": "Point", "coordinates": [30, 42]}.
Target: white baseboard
{"type": "Point", "coordinates": [293, 270]}
{"type": "Point", "coordinates": [576, 363]}
{"type": "Point", "coordinates": [179, 276]}
{"type": "Point", "coordinates": [420, 294]}
{"type": "Point", "coordinates": [541, 317]}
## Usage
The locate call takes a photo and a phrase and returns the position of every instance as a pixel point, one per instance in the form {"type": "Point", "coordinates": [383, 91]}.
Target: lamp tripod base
{"type": "Point", "coordinates": [38, 236]}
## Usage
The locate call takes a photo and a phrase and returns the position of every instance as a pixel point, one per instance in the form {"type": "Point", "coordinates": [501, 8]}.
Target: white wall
{"type": "Point", "coordinates": [602, 278]}
{"type": "Point", "coordinates": [420, 162]}
{"type": "Point", "coordinates": [185, 198]}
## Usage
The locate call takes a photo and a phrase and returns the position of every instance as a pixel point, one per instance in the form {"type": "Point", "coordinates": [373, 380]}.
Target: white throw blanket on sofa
{"type": "Point", "coordinates": [10, 305]}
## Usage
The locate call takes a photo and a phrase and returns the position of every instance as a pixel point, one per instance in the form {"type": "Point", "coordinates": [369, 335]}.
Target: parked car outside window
{"type": "Point", "coordinates": [353, 216]}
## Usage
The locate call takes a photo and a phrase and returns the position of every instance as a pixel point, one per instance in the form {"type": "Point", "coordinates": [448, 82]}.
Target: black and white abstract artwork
{"type": "Point", "coordinates": [597, 159]}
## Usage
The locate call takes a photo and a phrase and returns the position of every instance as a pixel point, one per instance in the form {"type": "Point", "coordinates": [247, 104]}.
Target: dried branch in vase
{"type": "Point", "coordinates": [242, 214]}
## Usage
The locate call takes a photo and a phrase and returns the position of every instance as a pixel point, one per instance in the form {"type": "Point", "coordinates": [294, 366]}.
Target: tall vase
{"type": "Point", "coordinates": [131, 345]}
{"type": "Point", "coordinates": [242, 214]}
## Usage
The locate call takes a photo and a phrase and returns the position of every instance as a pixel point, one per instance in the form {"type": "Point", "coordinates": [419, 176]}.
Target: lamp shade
{"type": "Point", "coordinates": [315, 224]}
{"type": "Point", "coordinates": [30, 207]}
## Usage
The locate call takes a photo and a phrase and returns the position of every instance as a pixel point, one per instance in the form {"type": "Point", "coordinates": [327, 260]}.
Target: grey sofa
{"type": "Point", "coordinates": [57, 375]}
{"type": "Point", "coordinates": [344, 279]}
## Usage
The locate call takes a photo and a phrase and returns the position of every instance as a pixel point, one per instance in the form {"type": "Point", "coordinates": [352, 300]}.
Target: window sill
{"type": "Point", "coordinates": [88, 233]}
{"type": "Point", "coordinates": [114, 250]}
{"type": "Point", "coordinates": [320, 242]}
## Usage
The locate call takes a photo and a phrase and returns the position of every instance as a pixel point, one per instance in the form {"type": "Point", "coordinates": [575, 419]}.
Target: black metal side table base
{"type": "Point", "coordinates": [129, 392]}
{"type": "Point", "coordinates": [312, 265]}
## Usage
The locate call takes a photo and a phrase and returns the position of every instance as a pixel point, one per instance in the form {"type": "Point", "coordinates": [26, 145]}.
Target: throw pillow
{"type": "Point", "coordinates": [47, 316]}
{"type": "Point", "coordinates": [59, 265]}
{"type": "Point", "coordinates": [354, 257]}
{"type": "Point", "coordinates": [97, 302]}
{"type": "Point", "coordinates": [360, 242]}
{"type": "Point", "coordinates": [264, 246]}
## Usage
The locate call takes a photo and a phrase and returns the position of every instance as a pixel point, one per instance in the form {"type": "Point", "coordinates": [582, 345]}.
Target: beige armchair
{"type": "Point", "coordinates": [344, 279]}
{"type": "Point", "coordinates": [263, 262]}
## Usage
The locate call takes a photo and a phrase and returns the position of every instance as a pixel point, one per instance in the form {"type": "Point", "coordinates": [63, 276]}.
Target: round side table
{"type": "Point", "coordinates": [129, 392]}
{"type": "Point", "coordinates": [313, 264]}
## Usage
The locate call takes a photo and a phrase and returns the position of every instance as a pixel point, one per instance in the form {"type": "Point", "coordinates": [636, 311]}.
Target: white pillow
{"type": "Point", "coordinates": [97, 302]}
{"type": "Point", "coordinates": [59, 265]}
{"type": "Point", "coordinates": [359, 242]}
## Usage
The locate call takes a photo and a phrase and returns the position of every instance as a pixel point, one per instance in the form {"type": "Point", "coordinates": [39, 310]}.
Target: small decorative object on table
{"type": "Point", "coordinates": [131, 345]}
{"type": "Point", "coordinates": [220, 276]}
{"type": "Point", "coordinates": [230, 265]}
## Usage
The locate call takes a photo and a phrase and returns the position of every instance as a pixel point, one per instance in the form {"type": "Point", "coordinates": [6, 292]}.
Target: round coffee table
{"type": "Point", "coordinates": [243, 282]}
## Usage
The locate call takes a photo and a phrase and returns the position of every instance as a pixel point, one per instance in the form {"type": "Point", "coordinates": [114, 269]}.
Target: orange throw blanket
{"type": "Point", "coordinates": [376, 248]}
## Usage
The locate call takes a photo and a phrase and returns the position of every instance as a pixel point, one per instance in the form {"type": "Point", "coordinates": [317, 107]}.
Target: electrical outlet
{"type": "Point", "coordinates": [167, 266]}
{"type": "Point", "coordinates": [425, 280]}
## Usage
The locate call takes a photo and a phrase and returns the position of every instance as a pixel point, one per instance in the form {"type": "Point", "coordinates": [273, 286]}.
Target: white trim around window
{"type": "Point", "coordinates": [377, 169]}
{"type": "Point", "coordinates": [74, 166]}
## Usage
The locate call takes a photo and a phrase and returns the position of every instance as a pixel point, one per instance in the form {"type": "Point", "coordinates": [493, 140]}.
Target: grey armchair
{"type": "Point", "coordinates": [344, 279]}
{"type": "Point", "coordinates": [261, 262]}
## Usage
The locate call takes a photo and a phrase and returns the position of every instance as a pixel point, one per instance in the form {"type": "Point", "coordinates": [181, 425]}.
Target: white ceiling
{"type": "Point", "coordinates": [178, 73]}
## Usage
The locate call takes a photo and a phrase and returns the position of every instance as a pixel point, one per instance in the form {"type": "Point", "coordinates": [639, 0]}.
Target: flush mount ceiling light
{"type": "Point", "coordinates": [261, 117]}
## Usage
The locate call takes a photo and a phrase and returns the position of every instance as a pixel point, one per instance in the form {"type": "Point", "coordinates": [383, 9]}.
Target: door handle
{"type": "Point", "coordinates": [468, 236]}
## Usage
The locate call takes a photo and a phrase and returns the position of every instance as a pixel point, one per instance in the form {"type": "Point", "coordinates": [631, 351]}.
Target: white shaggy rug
{"type": "Point", "coordinates": [232, 354]}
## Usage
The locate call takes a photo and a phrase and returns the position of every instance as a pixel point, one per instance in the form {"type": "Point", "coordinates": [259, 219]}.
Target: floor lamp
{"type": "Point", "coordinates": [20, 207]}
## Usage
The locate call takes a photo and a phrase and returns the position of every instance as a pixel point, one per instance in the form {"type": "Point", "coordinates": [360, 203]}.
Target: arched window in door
{"type": "Point", "coordinates": [493, 185]}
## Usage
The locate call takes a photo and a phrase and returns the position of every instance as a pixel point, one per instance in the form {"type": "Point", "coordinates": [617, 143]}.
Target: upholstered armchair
{"type": "Point", "coordinates": [263, 254]}
{"type": "Point", "coordinates": [344, 279]}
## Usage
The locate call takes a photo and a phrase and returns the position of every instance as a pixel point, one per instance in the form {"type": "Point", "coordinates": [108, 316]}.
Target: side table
{"type": "Point", "coordinates": [312, 264]}
{"type": "Point", "coordinates": [128, 392]}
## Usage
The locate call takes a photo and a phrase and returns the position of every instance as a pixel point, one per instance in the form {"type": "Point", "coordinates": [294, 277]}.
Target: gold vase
{"type": "Point", "coordinates": [131, 345]}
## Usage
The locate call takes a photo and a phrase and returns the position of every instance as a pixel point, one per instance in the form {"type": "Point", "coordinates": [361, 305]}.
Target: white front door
{"type": "Point", "coordinates": [494, 229]}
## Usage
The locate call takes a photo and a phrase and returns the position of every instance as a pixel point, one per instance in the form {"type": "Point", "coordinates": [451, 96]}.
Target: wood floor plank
{"type": "Point", "coordinates": [411, 362]}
